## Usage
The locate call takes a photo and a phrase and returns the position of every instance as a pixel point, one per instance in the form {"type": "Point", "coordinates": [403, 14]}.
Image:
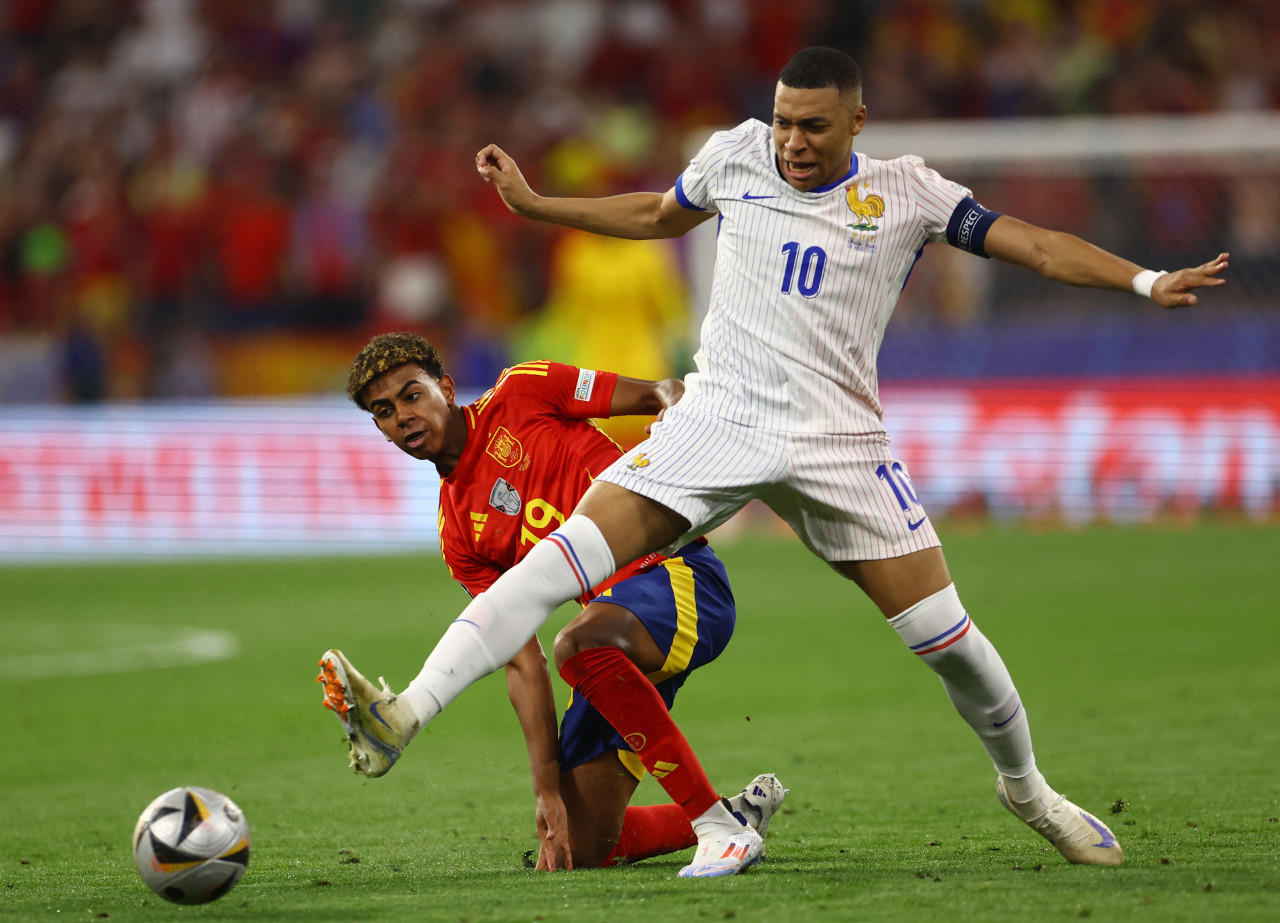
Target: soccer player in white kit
{"type": "Point", "coordinates": [815, 243]}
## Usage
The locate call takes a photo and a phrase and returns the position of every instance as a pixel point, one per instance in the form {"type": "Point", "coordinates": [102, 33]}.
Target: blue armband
{"type": "Point", "coordinates": [968, 226]}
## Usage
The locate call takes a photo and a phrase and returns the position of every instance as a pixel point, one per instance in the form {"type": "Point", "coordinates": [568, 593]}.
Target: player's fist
{"type": "Point", "coordinates": [495, 166]}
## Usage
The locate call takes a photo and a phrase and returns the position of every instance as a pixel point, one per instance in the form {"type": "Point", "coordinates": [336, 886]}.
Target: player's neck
{"type": "Point", "coordinates": [455, 442]}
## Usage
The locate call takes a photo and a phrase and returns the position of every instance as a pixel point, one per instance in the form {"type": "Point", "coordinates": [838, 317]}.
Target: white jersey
{"type": "Point", "coordinates": [805, 282]}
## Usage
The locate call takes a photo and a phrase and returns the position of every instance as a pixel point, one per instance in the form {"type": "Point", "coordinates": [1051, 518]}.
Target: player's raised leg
{"type": "Point", "coordinates": [938, 630]}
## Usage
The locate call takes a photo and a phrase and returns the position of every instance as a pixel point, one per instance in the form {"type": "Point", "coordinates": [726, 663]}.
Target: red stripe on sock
{"type": "Point", "coordinates": [652, 831]}
{"type": "Point", "coordinates": [949, 641]}
{"type": "Point", "coordinates": [568, 559]}
{"type": "Point", "coordinates": [617, 689]}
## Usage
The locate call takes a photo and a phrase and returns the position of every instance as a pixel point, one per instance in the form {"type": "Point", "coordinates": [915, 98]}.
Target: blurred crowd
{"type": "Point", "coordinates": [193, 191]}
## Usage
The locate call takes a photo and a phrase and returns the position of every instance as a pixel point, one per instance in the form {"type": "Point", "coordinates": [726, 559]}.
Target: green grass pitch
{"type": "Point", "coordinates": [1147, 660]}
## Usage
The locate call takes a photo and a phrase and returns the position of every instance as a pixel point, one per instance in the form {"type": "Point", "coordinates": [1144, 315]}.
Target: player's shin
{"type": "Point", "coordinates": [939, 631]}
{"type": "Point", "coordinates": [616, 688]}
{"type": "Point", "coordinates": [500, 621]}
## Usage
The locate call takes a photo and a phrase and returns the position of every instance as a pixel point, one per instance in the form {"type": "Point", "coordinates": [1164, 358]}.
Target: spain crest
{"type": "Point", "coordinates": [504, 448]}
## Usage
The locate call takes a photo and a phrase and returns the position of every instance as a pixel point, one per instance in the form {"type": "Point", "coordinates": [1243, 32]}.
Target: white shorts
{"type": "Point", "coordinates": [845, 496]}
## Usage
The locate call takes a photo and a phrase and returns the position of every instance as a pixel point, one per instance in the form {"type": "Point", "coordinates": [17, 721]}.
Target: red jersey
{"type": "Point", "coordinates": [531, 453]}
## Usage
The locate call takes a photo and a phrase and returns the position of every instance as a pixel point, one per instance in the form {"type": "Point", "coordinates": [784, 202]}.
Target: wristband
{"type": "Point", "coordinates": [1143, 281]}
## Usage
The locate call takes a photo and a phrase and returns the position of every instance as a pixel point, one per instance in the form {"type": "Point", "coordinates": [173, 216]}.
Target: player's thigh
{"type": "Point", "coordinates": [633, 525]}
{"type": "Point", "coordinates": [603, 624]}
{"type": "Point", "coordinates": [897, 584]}
{"type": "Point", "coordinates": [686, 607]}
{"type": "Point", "coordinates": [596, 794]}
{"type": "Point", "coordinates": [849, 500]}
{"type": "Point", "coordinates": [699, 467]}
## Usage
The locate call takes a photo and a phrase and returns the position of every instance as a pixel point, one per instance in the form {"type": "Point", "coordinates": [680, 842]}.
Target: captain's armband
{"type": "Point", "coordinates": [967, 229]}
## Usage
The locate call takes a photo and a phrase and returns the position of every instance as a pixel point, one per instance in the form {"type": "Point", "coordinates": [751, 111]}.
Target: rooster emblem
{"type": "Point", "coordinates": [867, 209]}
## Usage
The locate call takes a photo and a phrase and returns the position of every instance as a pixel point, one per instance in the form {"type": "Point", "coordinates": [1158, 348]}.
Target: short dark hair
{"type": "Point", "coordinates": [818, 67]}
{"type": "Point", "coordinates": [387, 351]}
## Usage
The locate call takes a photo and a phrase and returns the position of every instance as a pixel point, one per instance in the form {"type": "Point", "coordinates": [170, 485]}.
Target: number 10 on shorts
{"type": "Point", "coordinates": [900, 483]}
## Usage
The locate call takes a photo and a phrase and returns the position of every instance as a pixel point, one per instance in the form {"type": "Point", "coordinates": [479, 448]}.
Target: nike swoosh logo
{"type": "Point", "coordinates": [373, 710]}
{"type": "Point", "coordinates": [1000, 724]}
{"type": "Point", "coordinates": [1107, 838]}
{"type": "Point", "coordinates": [917, 524]}
{"type": "Point", "coordinates": [751, 198]}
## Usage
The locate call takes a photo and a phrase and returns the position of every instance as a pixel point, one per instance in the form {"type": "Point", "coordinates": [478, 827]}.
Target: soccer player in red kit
{"type": "Point", "coordinates": [513, 465]}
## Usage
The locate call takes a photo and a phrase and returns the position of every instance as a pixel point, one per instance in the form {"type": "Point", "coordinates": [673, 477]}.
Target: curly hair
{"type": "Point", "coordinates": [386, 351]}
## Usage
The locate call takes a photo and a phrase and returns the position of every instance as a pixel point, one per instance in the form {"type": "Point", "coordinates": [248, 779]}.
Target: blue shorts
{"type": "Point", "coordinates": [687, 606]}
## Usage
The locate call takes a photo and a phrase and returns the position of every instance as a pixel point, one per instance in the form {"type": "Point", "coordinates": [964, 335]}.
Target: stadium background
{"type": "Point", "coordinates": [206, 208]}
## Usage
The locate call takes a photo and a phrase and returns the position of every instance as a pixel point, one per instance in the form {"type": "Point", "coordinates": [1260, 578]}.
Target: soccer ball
{"type": "Point", "coordinates": [191, 845]}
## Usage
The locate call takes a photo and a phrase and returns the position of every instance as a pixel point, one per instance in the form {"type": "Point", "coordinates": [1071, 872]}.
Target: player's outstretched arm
{"type": "Point", "coordinates": [529, 688]}
{"type": "Point", "coordinates": [633, 215]}
{"type": "Point", "coordinates": [640, 397]}
{"type": "Point", "coordinates": [1067, 258]}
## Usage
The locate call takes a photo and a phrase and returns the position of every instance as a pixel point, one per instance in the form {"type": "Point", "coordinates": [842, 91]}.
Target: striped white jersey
{"type": "Point", "coordinates": [805, 282]}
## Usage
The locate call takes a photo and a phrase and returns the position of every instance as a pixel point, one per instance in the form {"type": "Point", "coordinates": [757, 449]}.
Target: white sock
{"type": "Point", "coordinates": [714, 820]}
{"type": "Point", "coordinates": [500, 621]}
{"type": "Point", "coordinates": [1026, 791]}
{"type": "Point", "coordinates": [939, 631]}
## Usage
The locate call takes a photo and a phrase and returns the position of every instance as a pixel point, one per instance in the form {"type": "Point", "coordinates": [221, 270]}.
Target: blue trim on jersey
{"type": "Point", "coordinates": [919, 253]}
{"type": "Point", "coordinates": [853, 171]}
{"type": "Point", "coordinates": [967, 229]}
{"type": "Point", "coordinates": [684, 199]}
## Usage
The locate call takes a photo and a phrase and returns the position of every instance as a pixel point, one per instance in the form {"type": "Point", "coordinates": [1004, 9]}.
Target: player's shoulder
{"type": "Point", "coordinates": [524, 378]}
{"type": "Point", "coordinates": [528, 389]}
{"type": "Point", "coordinates": [745, 139]}
{"type": "Point", "coordinates": [907, 163]}
{"type": "Point", "coordinates": [751, 128]}
{"type": "Point", "coordinates": [909, 167]}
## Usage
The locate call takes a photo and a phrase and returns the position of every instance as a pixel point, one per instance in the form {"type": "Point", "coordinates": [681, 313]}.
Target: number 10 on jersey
{"type": "Point", "coordinates": [808, 281]}
{"type": "Point", "coordinates": [900, 483]}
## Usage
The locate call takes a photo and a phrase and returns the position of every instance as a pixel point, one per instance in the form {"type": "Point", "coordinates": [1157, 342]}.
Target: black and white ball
{"type": "Point", "coordinates": [191, 845]}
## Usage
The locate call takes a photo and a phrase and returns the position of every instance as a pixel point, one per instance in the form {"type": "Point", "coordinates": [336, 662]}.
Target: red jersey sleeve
{"type": "Point", "coordinates": [564, 390]}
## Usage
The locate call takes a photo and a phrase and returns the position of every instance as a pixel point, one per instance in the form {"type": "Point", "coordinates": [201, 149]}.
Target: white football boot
{"type": "Point", "coordinates": [727, 844]}
{"type": "Point", "coordinates": [1078, 835]}
{"type": "Point", "coordinates": [377, 726]}
{"type": "Point", "coordinates": [759, 801]}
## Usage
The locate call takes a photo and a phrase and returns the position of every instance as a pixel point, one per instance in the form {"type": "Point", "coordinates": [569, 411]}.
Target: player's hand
{"type": "Point", "coordinates": [670, 390]}
{"type": "Point", "coordinates": [1174, 290]}
{"type": "Point", "coordinates": [553, 835]}
{"type": "Point", "coordinates": [495, 166]}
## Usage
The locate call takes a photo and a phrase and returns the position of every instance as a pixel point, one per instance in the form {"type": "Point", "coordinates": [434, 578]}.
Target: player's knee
{"type": "Point", "coordinates": [574, 639]}
{"type": "Point", "coordinates": [591, 855]}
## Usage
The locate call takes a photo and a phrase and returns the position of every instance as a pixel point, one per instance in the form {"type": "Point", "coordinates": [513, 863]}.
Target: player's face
{"type": "Point", "coordinates": [813, 133]}
{"type": "Point", "coordinates": [413, 410]}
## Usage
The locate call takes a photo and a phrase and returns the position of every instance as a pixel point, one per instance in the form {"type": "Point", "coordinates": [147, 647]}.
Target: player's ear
{"type": "Point", "coordinates": [859, 119]}
{"type": "Point", "coordinates": [448, 389]}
